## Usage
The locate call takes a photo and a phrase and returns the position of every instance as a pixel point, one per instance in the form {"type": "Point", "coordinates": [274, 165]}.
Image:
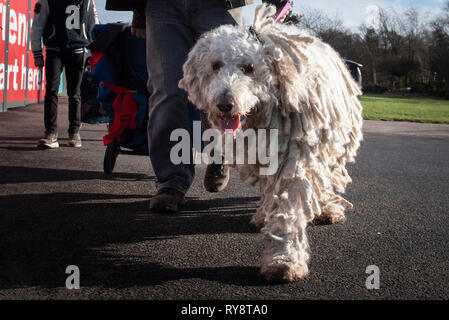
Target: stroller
{"type": "Point", "coordinates": [118, 63]}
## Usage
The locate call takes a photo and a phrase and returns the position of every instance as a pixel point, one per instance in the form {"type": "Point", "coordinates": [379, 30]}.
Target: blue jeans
{"type": "Point", "coordinates": [173, 26]}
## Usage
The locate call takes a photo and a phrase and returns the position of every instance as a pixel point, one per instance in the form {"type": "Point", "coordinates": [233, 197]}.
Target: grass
{"type": "Point", "coordinates": [405, 108]}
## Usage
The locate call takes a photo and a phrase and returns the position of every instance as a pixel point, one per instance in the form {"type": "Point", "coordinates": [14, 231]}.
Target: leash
{"type": "Point", "coordinates": [254, 33]}
{"type": "Point", "coordinates": [284, 10]}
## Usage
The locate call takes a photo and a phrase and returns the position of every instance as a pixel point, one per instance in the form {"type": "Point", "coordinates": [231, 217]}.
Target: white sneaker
{"type": "Point", "coordinates": [75, 140]}
{"type": "Point", "coordinates": [50, 141]}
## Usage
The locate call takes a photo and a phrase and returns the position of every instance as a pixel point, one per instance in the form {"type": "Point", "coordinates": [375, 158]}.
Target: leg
{"type": "Point", "coordinates": [286, 247]}
{"type": "Point", "coordinates": [168, 43]}
{"type": "Point", "coordinates": [207, 15]}
{"type": "Point", "coordinates": [73, 63]}
{"type": "Point", "coordinates": [53, 69]}
{"type": "Point", "coordinates": [332, 208]}
{"type": "Point", "coordinates": [331, 213]}
{"type": "Point", "coordinates": [204, 16]}
{"type": "Point", "coordinates": [258, 220]}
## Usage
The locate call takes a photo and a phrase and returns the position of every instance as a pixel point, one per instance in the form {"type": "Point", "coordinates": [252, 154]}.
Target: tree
{"type": "Point", "coordinates": [439, 51]}
{"type": "Point", "coordinates": [401, 50]}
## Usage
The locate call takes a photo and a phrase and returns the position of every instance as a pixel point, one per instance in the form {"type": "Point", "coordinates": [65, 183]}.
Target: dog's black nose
{"type": "Point", "coordinates": [225, 107]}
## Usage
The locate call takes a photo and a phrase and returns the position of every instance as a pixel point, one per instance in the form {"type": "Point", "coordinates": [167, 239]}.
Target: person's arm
{"type": "Point", "coordinates": [138, 24]}
{"type": "Point", "coordinates": [138, 9]}
{"type": "Point", "coordinates": [279, 5]}
{"type": "Point", "coordinates": [138, 19]}
{"type": "Point", "coordinates": [92, 16]}
{"type": "Point", "coordinates": [41, 12]}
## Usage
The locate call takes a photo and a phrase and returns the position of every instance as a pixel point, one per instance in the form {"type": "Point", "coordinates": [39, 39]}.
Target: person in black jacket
{"type": "Point", "coordinates": [65, 27]}
{"type": "Point", "coordinates": [172, 27]}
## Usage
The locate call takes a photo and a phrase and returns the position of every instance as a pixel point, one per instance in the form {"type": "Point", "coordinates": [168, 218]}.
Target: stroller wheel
{"type": "Point", "coordinates": [110, 156]}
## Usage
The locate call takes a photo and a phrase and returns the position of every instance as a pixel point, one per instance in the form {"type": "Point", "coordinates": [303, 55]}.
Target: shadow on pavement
{"type": "Point", "coordinates": [34, 140]}
{"type": "Point", "coordinates": [14, 148]}
{"type": "Point", "coordinates": [11, 174]}
{"type": "Point", "coordinates": [8, 139]}
{"type": "Point", "coordinates": [30, 143]}
{"type": "Point", "coordinates": [41, 234]}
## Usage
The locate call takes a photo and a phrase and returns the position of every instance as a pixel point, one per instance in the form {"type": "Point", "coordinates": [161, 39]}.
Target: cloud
{"type": "Point", "coordinates": [372, 16]}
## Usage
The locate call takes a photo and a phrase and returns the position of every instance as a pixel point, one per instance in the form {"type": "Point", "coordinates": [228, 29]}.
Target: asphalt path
{"type": "Point", "coordinates": [58, 208]}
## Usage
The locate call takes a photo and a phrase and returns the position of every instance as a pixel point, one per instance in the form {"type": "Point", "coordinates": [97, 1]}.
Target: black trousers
{"type": "Point", "coordinates": [73, 63]}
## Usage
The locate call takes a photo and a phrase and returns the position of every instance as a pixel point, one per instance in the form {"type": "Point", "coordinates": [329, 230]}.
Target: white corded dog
{"type": "Point", "coordinates": [277, 76]}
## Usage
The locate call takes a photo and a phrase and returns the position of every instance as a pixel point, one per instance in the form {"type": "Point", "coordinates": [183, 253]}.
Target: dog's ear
{"type": "Point", "coordinates": [189, 81]}
{"type": "Point", "coordinates": [285, 48]}
{"type": "Point", "coordinates": [290, 64]}
{"type": "Point", "coordinates": [195, 72]}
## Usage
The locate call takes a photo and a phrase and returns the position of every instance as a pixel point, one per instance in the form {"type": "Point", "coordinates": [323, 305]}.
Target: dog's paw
{"type": "Point", "coordinates": [257, 222]}
{"type": "Point", "coordinates": [329, 218]}
{"type": "Point", "coordinates": [282, 271]}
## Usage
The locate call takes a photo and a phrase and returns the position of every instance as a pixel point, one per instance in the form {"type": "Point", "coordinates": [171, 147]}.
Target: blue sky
{"type": "Point", "coordinates": [351, 12]}
{"type": "Point", "coordinates": [111, 16]}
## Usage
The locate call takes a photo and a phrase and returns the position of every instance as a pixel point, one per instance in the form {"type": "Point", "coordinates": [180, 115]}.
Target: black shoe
{"type": "Point", "coordinates": [216, 178]}
{"type": "Point", "coordinates": [167, 201]}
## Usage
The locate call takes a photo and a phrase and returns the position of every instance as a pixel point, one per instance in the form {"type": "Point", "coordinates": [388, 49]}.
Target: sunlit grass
{"type": "Point", "coordinates": [405, 108]}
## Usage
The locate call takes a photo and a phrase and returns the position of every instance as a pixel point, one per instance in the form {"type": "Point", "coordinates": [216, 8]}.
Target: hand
{"type": "Point", "coordinates": [282, 19]}
{"type": "Point", "coordinates": [138, 32]}
{"type": "Point", "coordinates": [39, 62]}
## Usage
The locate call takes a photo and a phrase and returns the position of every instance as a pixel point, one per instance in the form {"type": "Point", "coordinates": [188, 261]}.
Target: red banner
{"type": "Point", "coordinates": [34, 74]}
{"type": "Point", "coordinates": [3, 14]}
{"type": "Point", "coordinates": [17, 71]}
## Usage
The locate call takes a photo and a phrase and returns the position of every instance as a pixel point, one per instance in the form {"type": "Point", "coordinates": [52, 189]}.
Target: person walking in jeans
{"type": "Point", "coordinates": [172, 28]}
{"type": "Point", "coordinates": [65, 27]}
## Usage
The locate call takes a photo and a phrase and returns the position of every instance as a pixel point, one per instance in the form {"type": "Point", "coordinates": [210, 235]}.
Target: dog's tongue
{"type": "Point", "coordinates": [230, 123]}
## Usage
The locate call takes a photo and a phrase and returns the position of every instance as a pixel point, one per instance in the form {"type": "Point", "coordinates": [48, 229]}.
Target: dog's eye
{"type": "Point", "coordinates": [217, 65]}
{"type": "Point", "coordinates": [247, 68]}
